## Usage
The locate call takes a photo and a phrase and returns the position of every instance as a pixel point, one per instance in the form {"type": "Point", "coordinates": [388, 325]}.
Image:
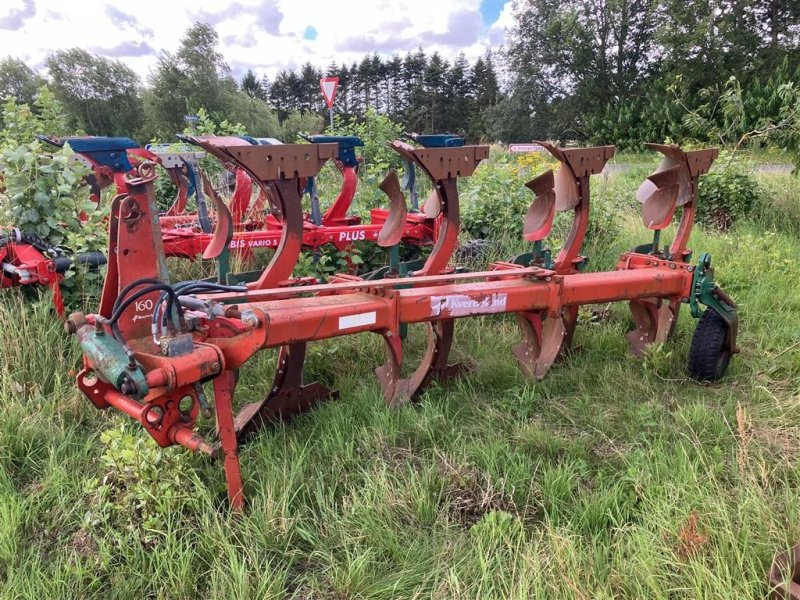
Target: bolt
{"type": "Point", "coordinates": [131, 360]}
{"type": "Point", "coordinates": [214, 367]}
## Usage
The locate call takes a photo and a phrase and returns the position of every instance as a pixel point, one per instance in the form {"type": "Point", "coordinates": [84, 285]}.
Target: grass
{"type": "Point", "coordinates": [612, 478]}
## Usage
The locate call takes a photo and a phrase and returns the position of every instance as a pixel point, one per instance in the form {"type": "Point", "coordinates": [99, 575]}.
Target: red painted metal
{"type": "Point", "coordinates": [23, 264]}
{"type": "Point", "coordinates": [265, 231]}
{"type": "Point", "coordinates": [236, 324]}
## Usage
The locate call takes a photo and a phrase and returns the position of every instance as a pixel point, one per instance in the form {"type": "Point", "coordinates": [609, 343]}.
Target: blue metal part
{"type": "Point", "coordinates": [261, 141]}
{"type": "Point", "coordinates": [267, 141]}
{"type": "Point", "coordinates": [347, 146]}
{"type": "Point", "coordinates": [249, 139]}
{"type": "Point", "coordinates": [202, 208]}
{"type": "Point", "coordinates": [191, 178]}
{"type": "Point", "coordinates": [409, 183]}
{"type": "Point", "coordinates": [439, 140]}
{"type": "Point", "coordinates": [106, 151]}
{"type": "Point", "coordinates": [311, 190]}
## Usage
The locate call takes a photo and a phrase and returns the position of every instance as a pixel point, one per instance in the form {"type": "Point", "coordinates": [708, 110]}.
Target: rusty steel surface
{"type": "Point", "coordinates": [539, 218]}
{"type": "Point", "coordinates": [228, 327]}
{"type": "Point", "coordinates": [392, 230]}
{"type": "Point", "coordinates": [223, 233]}
{"type": "Point", "coordinates": [287, 161]}
{"type": "Point", "coordinates": [784, 575]}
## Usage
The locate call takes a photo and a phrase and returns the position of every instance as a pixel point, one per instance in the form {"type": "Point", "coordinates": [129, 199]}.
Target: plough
{"type": "Point", "coordinates": [29, 260]}
{"type": "Point", "coordinates": [152, 345]}
{"type": "Point", "coordinates": [111, 158]}
{"type": "Point", "coordinates": [189, 234]}
{"type": "Point", "coordinates": [335, 226]}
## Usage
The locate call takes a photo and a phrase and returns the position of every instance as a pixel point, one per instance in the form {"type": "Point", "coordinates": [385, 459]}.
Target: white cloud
{"type": "Point", "coordinates": [253, 34]}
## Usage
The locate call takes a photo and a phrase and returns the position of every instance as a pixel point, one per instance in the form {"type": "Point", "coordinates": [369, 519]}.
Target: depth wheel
{"type": "Point", "coordinates": [710, 353]}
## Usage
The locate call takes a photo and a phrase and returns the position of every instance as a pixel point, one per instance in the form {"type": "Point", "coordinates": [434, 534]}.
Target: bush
{"type": "Point", "coordinates": [44, 189]}
{"type": "Point", "coordinates": [376, 131]}
{"type": "Point", "coordinates": [726, 195]}
{"type": "Point", "coordinates": [142, 487]}
{"type": "Point", "coordinates": [494, 201]}
{"type": "Point", "coordinates": [300, 121]}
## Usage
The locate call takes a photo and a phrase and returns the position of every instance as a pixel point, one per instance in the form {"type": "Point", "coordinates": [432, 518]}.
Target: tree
{"type": "Point", "coordinates": [486, 94]}
{"type": "Point", "coordinates": [457, 97]}
{"type": "Point", "coordinates": [101, 96]}
{"type": "Point", "coordinates": [252, 86]}
{"type": "Point", "coordinates": [416, 110]}
{"type": "Point", "coordinates": [570, 59]}
{"type": "Point", "coordinates": [19, 80]}
{"type": "Point", "coordinates": [195, 76]}
{"type": "Point", "coordinates": [434, 80]}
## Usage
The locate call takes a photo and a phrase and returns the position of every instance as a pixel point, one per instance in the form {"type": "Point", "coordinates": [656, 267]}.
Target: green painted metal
{"type": "Point", "coordinates": [111, 362]}
{"type": "Point", "coordinates": [540, 256]}
{"type": "Point", "coordinates": [705, 291]}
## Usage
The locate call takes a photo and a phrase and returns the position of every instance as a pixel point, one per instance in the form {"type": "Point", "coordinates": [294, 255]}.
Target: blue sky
{"type": "Point", "coordinates": [263, 35]}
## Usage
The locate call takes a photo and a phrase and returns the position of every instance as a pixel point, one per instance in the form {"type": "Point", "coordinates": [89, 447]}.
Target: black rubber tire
{"type": "Point", "coordinates": [709, 353]}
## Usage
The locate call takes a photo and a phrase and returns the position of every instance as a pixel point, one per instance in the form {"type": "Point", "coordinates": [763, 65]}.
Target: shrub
{"type": "Point", "coordinates": [142, 486]}
{"type": "Point", "coordinates": [44, 189]}
{"type": "Point", "coordinates": [376, 131]}
{"type": "Point", "coordinates": [726, 195]}
{"type": "Point", "coordinates": [494, 201]}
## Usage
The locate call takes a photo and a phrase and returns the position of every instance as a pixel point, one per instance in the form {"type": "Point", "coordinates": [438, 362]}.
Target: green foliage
{"type": "Point", "coordinates": [99, 95]}
{"type": "Point", "coordinates": [141, 488]}
{"type": "Point", "coordinates": [328, 261]}
{"type": "Point", "coordinates": [727, 194]}
{"type": "Point", "coordinates": [494, 201]}
{"type": "Point", "coordinates": [300, 121]}
{"type": "Point", "coordinates": [207, 125]}
{"type": "Point", "coordinates": [44, 188]}
{"type": "Point", "coordinates": [498, 530]}
{"type": "Point", "coordinates": [257, 118]}
{"type": "Point", "coordinates": [376, 131]}
{"type": "Point", "coordinates": [586, 70]}
{"type": "Point", "coordinates": [195, 76]}
{"type": "Point", "coordinates": [19, 80]}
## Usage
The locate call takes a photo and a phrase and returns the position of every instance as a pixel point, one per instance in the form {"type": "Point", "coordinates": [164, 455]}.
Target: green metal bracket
{"type": "Point", "coordinates": [705, 291]}
{"type": "Point", "coordinates": [539, 256]}
{"type": "Point", "coordinates": [223, 266]}
{"type": "Point", "coordinates": [109, 358]}
{"type": "Point", "coordinates": [397, 268]}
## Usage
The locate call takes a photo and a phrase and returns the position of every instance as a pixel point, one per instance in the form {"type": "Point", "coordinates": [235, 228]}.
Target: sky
{"type": "Point", "coordinates": [266, 36]}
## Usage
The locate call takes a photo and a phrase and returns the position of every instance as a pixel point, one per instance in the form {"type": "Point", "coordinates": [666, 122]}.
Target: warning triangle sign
{"type": "Point", "coordinates": [328, 86]}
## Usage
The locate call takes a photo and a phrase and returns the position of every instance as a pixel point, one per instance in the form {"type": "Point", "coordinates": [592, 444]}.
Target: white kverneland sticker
{"type": "Point", "coordinates": [459, 305]}
{"type": "Point", "coordinates": [359, 320]}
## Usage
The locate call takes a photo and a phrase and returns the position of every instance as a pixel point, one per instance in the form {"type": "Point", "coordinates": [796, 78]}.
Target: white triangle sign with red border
{"type": "Point", "coordinates": [328, 86]}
